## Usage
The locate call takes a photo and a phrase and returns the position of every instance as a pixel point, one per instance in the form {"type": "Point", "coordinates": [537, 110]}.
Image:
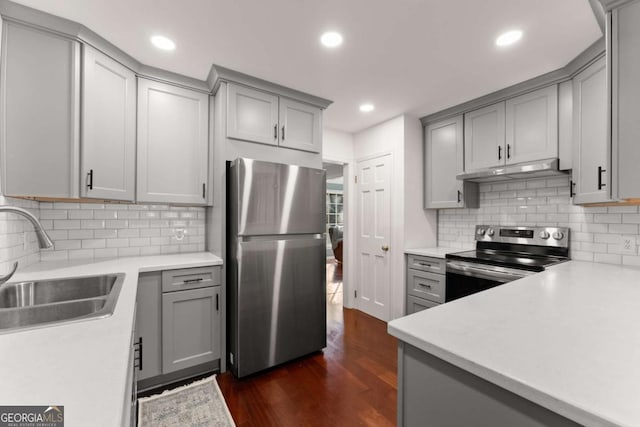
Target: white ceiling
{"type": "Point", "coordinates": [404, 56]}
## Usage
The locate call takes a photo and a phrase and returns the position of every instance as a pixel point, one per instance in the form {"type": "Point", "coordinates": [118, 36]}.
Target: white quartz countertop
{"type": "Point", "coordinates": [567, 339]}
{"type": "Point", "coordinates": [81, 365]}
{"type": "Point", "coordinates": [436, 251]}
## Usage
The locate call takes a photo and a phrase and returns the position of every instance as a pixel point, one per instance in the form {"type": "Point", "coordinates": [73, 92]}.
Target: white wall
{"type": "Point", "coordinates": [420, 225]}
{"type": "Point", "coordinates": [337, 146]}
{"type": "Point", "coordinates": [402, 138]}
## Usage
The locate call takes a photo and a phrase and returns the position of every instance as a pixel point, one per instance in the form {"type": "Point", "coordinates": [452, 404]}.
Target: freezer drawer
{"type": "Point", "coordinates": [272, 198]}
{"type": "Point", "coordinates": [278, 305]}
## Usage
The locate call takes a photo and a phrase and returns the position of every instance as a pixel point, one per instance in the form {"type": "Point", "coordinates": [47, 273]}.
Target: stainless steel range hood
{"type": "Point", "coordinates": [538, 168]}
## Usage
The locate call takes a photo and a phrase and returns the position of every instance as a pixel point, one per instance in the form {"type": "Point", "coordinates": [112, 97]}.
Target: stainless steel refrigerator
{"type": "Point", "coordinates": [276, 252]}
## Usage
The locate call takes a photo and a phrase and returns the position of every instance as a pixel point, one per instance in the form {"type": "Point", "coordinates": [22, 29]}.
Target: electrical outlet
{"type": "Point", "coordinates": [628, 245]}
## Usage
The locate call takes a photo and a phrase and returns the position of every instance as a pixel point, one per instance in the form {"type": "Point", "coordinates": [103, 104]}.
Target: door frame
{"type": "Point", "coordinates": [355, 224]}
{"type": "Point", "coordinates": [347, 245]}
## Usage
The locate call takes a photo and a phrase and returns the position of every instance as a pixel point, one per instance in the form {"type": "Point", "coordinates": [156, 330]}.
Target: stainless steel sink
{"type": "Point", "coordinates": [24, 294]}
{"type": "Point", "coordinates": [47, 302]}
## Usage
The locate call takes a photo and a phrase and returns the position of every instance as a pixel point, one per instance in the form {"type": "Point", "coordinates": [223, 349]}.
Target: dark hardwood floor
{"type": "Point", "coordinates": [351, 382]}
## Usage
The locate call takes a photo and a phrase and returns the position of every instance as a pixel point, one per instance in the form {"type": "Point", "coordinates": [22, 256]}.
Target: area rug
{"type": "Point", "coordinates": [199, 404]}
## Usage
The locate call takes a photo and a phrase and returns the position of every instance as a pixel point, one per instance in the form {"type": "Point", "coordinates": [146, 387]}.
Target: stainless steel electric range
{"type": "Point", "coordinates": [504, 254]}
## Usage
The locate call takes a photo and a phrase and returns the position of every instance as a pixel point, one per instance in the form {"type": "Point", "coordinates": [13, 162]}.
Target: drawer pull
{"type": "Point", "coordinates": [424, 264]}
{"type": "Point", "coordinates": [424, 286]}
{"type": "Point", "coordinates": [187, 281]}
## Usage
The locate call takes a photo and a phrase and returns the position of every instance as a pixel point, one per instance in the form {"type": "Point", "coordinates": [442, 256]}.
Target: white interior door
{"type": "Point", "coordinates": [374, 225]}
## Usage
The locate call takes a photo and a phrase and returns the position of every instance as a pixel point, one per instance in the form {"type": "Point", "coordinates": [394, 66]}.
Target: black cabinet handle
{"type": "Point", "coordinates": [572, 185]}
{"type": "Point", "coordinates": [508, 151]}
{"type": "Point", "coordinates": [283, 133]}
{"type": "Point", "coordinates": [187, 281]}
{"type": "Point", "coordinates": [600, 184]}
{"type": "Point", "coordinates": [139, 350]}
{"type": "Point", "coordinates": [275, 131]}
{"type": "Point", "coordinates": [459, 196]}
{"type": "Point", "coordinates": [499, 152]}
{"type": "Point", "coordinates": [90, 179]}
{"type": "Point", "coordinates": [204, 188]}
{"type": "Point", "coordinates": [217, 302]}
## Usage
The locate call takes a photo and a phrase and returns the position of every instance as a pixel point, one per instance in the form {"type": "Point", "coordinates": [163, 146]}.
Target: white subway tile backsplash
{"type": "Point", "coordinates": [596, 232]}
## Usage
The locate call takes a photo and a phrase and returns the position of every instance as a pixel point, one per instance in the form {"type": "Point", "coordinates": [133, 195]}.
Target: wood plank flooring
{"type": "Point", "coordinates": [352, 382]}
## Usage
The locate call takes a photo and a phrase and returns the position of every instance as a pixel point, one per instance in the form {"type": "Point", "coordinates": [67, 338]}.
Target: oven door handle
{"type": "Point", "coordinates": [502, 275]}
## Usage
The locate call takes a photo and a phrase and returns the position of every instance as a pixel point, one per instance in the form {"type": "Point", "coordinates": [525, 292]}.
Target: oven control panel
{"type": "Point", "coordinates": [540, 236]}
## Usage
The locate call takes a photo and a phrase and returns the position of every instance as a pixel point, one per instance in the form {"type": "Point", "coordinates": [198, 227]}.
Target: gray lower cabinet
{"type": "Point", "coordinates": [178, 324]}
{"type": "Point", "coordinates": [190, 328]}
{"type": "Point", "coordinates": [434, 392]}
{"type": "Point", "coordinates": [40, 114]}
{"type": "Point", "coordinates": [148, 325]}
{"type": "Point", "coordinates": [425, 282]}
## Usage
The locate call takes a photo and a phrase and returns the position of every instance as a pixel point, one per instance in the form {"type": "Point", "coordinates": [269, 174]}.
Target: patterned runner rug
{"type": "Point", "coordinates": [199, 404]}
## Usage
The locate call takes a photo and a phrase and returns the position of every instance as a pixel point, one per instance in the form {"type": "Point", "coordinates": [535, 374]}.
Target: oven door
{"type": "Point", "coordinates": [466, 278]}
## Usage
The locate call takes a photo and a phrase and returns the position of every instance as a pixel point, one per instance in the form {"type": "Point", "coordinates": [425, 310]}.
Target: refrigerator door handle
{"type": "Point", "coordinates": [281, 237]}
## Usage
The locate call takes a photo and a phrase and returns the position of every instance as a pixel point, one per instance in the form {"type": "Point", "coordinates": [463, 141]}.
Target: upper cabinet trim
{"type": "Point", "coordinates": [579, 63]}
{"type": "Point", "coordinates": [220, 74]}
{"type": "Point", "coordinates": [35, 18]}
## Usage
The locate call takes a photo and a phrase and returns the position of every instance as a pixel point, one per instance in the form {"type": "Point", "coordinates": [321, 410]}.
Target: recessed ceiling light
{"type": "Point", "coordinates": [510, 37]}
{"type": "Point", "coordinates": [162, 42]}
{"type": "Point", "coordinates": [365, 108]}
{"type": "Point", "coordinates": [331, 39]}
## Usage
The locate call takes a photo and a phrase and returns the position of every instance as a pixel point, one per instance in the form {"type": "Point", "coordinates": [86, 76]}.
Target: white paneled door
{"type": "Point", "coordinates": [374, 225]}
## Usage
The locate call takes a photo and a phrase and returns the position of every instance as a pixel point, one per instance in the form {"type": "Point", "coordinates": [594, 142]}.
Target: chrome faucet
{"type": "Point", "coordinates": [43, 239]}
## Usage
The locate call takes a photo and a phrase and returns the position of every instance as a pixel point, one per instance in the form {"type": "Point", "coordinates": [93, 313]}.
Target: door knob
{"type": "Point", "coordinates": [385, 248]}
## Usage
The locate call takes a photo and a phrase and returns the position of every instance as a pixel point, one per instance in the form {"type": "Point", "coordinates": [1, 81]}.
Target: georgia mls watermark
{"type": "Point", "coordinates": [31, 416]}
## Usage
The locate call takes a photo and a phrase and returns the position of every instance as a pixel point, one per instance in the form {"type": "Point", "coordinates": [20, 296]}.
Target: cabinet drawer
{"type": "Point", "coordinates": [435, 265]}
{"type": "Point", "coordinates": [190, 278]}
{"type": "Point", "coordinates": [426, 285]}
{"type": "Point", "coordinates": [415, 305]}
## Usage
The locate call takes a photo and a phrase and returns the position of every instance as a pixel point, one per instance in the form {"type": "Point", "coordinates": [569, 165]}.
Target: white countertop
{"type": "Point", "coordinates": [81, 365]}
{"type": "Point", "coordinates": [567, 338]}
{"type": "Point", "coordinates": [436, 251]}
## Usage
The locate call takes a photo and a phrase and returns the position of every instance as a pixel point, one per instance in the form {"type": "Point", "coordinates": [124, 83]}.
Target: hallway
{"type": "Point", "coordinates": [351, 382]}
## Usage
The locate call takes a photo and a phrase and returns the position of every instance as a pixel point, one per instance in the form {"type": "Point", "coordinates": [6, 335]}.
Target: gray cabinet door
{"type": "Point", "coordinates": [591, 147]}
{"type": "Point", "coordinates": [532, 126]}
{"type": "Point", "coordinates": [108, 128]}
{"type": "Point", "coordinates": [39, 120]}
{"type": "Point", "coordinates": [190, 328]}
{"type": "Point", "coordinates": [148, 323]}
{"type": "Point", "coordinates": [444, 159]}
{"type": "Point", "coordinates": [484, 136]}
{"type": "Point", "coordinates": [173, 144]}
{"type": "Point", "coordinates": [625, 84]}
{"type": "Point", "coordinates": [252, 115]}
{"type": "Point", "coordinates": [300, 126]}
{"type": "Point", "coordinates": [415, 304]}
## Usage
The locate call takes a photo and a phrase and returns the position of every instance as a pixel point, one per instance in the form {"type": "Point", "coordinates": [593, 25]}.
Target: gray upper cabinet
{"type": "Point", "coordinates": [300, 126]}
{"type": "Point", "coordinates": [39, 120]}
{"type": "Point", "coordinates": [444, 159]}
{"type": "Point", "coordinates": [257, 116]}
{"type": "Point", "coordinates": [521, 129]}
{"type": "Point", "coordinates": [108, 128]}
{"type": "Point", "coordinates": [484, 136]}
{"type": "Point", "coordinates": [625, 84]}
{"type": "Point", "coordinates": [173, 144]}
{"type": "Point", "coordinates": [252, 115]}
{"type": "Point", "coordinates": [532, 126]}
{"type": "Point", "coordinates": [591, 146]}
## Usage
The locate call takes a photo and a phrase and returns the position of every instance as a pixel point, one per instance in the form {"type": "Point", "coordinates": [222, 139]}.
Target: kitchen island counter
{"type": "Point", "coordinates": [566, 339]}
{"type": "Point", "coordinates": [81, 365]}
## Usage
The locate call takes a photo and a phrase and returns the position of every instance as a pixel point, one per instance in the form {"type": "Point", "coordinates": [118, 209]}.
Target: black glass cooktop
{"type": "Point", "coordinates": [507, 259]}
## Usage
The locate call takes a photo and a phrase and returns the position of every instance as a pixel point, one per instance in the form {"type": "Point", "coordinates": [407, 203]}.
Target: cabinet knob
{"type": "Point", "coordinates": [385, 248]}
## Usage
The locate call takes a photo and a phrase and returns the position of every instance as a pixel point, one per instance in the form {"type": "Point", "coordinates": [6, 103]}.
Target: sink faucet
{"type": "Point", "coordinates": [43, 239]}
